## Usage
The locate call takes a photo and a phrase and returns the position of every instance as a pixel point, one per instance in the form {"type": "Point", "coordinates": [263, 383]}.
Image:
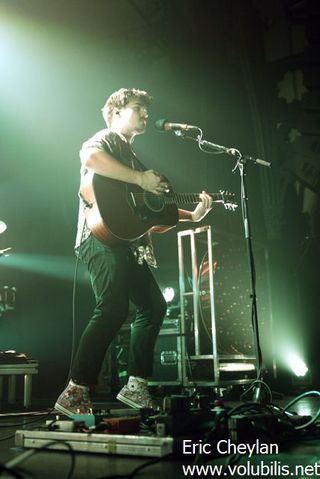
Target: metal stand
{"type": "Point", "coordinates": [254, 313]}
{"type": "Point", "coordinates": [214, 368]}
{"type": "Point", "coordinates": [27, 369]}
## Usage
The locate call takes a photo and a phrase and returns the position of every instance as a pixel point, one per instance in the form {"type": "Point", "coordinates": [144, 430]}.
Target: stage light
{"type": "Point", "coordinates": [60, 267]}
{"type": "Point", "coordinates": [297, 365]}
{"type": "Point", "coordinates": [168, 294]}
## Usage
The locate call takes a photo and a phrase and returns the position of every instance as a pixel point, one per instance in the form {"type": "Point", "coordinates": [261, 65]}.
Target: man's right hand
{"type": "Point", "coordinates": [150, 180]}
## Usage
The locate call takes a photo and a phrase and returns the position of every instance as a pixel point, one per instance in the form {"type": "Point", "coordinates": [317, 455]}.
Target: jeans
{"type": "Point", "coordinates": [116, 278]}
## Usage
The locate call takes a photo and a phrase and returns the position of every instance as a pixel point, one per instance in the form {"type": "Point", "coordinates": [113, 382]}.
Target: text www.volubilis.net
{"type": "Point", "coordinates": [261, 469]}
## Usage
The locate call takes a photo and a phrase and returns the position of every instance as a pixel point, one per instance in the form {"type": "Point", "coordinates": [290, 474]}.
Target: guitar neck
{"type": "Point", "coordinates": [189, 198]}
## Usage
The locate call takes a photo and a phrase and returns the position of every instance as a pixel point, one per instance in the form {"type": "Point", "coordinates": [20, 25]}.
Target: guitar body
{"type": "Point", "coordinates": [120, 211]}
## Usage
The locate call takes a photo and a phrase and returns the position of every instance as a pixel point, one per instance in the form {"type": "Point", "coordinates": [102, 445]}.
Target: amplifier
{"type": "Point", "coordinates": [166, 362]}
{"type": "Point", "coordinates": [167, 365]}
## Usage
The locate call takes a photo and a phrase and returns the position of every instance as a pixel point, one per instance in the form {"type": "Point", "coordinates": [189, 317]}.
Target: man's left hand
{"type": "Point", "coordinates": [202, 208]}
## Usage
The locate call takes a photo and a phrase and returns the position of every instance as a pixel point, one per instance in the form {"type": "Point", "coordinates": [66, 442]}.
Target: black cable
{"type": "Point", "coordinates": [74, 290]}
{"type": "Point", "coordinates": [205, 327]}
{"type": "Point", "coordinates": [231, 460]}
{"type": "Point", "coordinates": [137, 469]}
{"type": "Point", "coordinates": [40, 418]}
{"type": "Point", "coordinates": [10, 425]}
{"type": "Point", "coordinates": [13, 473]}
{"type": "Point", "coordinates": [7, 437]}
{"type": "Point", "coordinates": [294, 401]}
{"type": "Point", "coordinates": [252, 387]}
{"type": "Point", "coordinates": [224, 415]}
{"type": "Point", "coordinates": [27, 455]}
{"type": "Point", "coordinates": [194, 384]}
{"type": "Point", "coordinates": [147, 464]}
{"type": "Point", "coordinates": [25, 473]}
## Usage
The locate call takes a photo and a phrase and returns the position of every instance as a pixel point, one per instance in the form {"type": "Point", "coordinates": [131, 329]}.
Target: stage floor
{"type": "Point", "coordinates": [297, 457]}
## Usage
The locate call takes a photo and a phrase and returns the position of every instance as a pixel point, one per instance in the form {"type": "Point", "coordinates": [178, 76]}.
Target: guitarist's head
{"type": "Point", "coordinates": [126, 111]}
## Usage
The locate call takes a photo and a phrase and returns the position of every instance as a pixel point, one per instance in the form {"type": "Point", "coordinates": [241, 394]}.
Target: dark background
{"type": "Point", "coordinates": [245, 71]}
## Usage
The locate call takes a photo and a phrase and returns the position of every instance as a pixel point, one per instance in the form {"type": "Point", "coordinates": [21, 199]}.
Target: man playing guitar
{"type": "Point", "coordinates": [119, 268]}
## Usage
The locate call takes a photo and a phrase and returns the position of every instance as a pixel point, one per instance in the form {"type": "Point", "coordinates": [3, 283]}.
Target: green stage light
{"type": "Point", "coordinates": [59, 267]}
{"type": "Point", "coordinates": [297, 365]}
{"type": "Point", "coordinates": [168, 294]}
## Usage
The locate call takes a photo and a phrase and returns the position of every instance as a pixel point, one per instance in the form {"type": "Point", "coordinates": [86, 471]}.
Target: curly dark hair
{"type": "Point", "coordinates": [120, 98]}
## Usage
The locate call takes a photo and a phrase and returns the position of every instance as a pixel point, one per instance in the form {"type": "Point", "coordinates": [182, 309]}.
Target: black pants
{"type": "Point", "coordinates": [116, 278]}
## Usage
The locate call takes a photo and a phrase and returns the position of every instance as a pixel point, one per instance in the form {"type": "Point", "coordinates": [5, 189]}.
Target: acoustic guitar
{"type": "Point", "coordinates": [117, 211]}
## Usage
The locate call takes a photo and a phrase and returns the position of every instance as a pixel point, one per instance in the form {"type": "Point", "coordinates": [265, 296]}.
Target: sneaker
{"type": "Point", "coordinates": [138, 398]}
{"type": "Point", "coordinates": [74, 400]}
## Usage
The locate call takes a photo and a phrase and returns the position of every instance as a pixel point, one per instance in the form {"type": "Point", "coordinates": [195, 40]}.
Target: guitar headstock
{"type": "Point", "coordinates": [226, 199]}
{"type": "Point", "coordinates": [230, 206]}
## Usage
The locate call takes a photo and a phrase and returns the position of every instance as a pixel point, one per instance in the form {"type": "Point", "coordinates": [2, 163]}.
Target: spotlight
{"type": "Point", "coordinates": [297, 365]}
{"type": "Point", "coordinates": [168, 294]}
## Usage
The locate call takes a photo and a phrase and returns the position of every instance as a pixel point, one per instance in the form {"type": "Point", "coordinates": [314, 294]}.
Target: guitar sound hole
{"type": "Point", "coordinates": [153, 202]}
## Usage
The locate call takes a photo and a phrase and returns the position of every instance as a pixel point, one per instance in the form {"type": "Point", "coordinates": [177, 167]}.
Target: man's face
{"type": "Point", "coordinates": [133, 117]}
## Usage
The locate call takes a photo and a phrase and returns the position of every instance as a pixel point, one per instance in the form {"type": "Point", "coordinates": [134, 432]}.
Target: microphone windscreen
{"type": "Point", "coordinates": [159, 124]}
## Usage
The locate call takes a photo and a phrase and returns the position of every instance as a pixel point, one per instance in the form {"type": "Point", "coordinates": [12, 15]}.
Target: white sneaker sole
{"type": "Point", "coordinates": [63, 410]}
{"type": "Point", "coordinates": [128, 402]}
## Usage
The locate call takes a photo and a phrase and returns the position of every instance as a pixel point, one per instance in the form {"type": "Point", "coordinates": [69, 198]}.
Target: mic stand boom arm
{"type": "Point", "coordinates": [217, 149]}
{"type": "Point", "coordinates": [233, 152]}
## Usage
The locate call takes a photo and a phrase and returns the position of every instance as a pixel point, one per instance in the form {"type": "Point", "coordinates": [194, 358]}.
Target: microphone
{"type": "Point", "coordinates": [166, 125]}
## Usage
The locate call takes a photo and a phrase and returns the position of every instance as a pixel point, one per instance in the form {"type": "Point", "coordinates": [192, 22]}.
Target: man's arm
{"type": "Point", "coordinates": [104, 164]}
{"type": "Point", "coordinates": [201, 210]}
{"type": "Point", "coordinates": [185, 215]}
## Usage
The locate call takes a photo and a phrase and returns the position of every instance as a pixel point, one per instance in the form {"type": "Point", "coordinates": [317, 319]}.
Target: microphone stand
{"type": "Point", "coordinates": [241, 167]}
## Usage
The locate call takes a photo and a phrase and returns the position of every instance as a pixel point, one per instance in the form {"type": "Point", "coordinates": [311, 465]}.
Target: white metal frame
{"type": "Point", "coordinates": [218, 361]}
